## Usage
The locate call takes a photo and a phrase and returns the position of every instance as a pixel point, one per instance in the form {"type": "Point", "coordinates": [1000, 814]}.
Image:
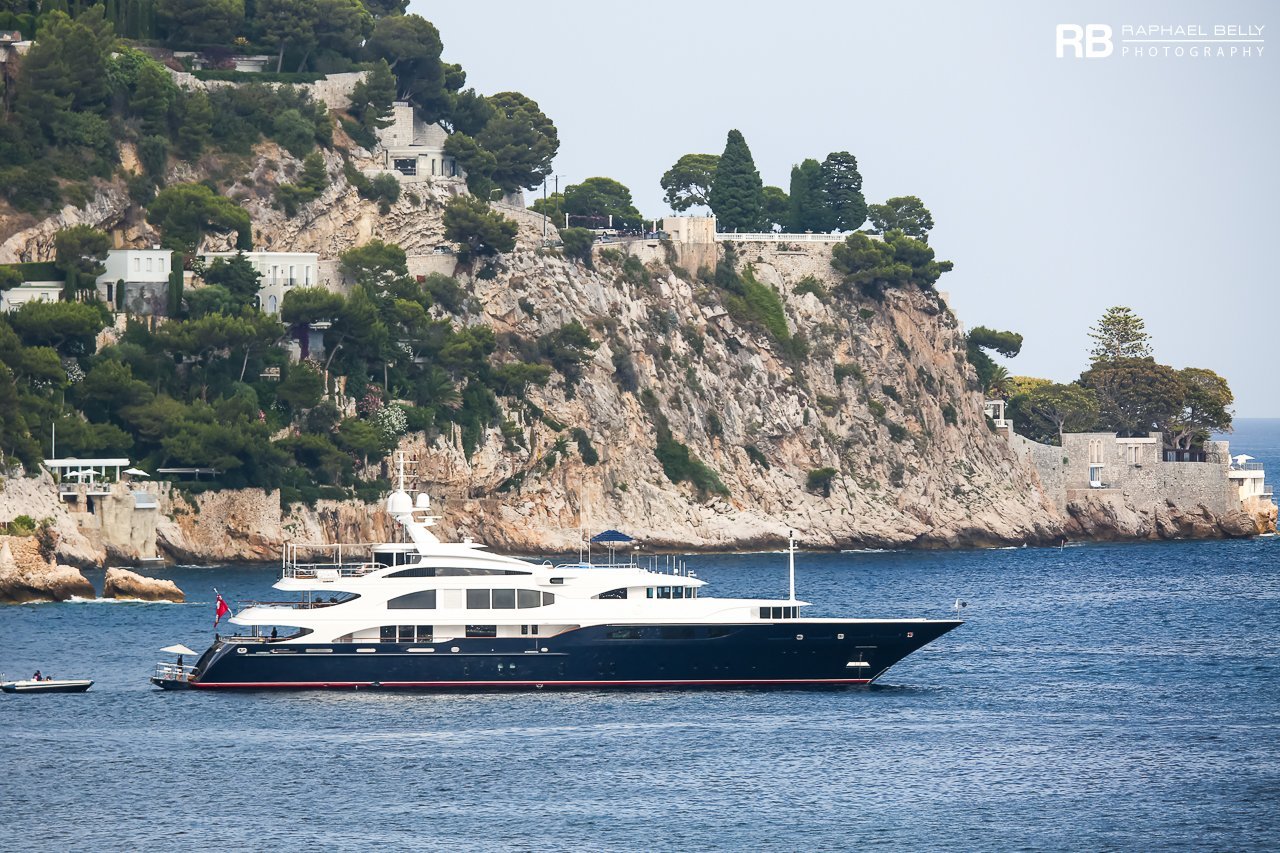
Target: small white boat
{"type": "Point", "coordinates": [48, 685]}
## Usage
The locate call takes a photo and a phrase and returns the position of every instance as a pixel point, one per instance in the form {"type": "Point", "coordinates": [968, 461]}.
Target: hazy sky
{"type": "Point", "coordinates": [1059, 186]}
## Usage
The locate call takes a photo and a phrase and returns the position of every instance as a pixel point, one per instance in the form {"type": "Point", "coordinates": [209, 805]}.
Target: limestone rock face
{"type": "Point", "coordinates": [1110, 516]}
{"type": "Point", "coordinates": [25, 575]}
{"type": "Point", "coordinates": [122, 583]}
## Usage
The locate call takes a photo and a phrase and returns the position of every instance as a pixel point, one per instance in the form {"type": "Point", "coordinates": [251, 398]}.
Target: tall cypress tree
{"type": "Point", "coordinates": [737, 193]}
{"type": "Point", "coordinates": [808, 207]}
{"type": "Point", "coordinates": [842, 192]}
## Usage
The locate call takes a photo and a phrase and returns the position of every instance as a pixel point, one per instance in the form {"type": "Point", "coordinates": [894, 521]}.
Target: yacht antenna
{"type": "Point", "coordinates": [791, 562]}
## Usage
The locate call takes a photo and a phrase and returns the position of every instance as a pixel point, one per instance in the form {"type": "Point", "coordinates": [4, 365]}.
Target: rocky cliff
{"type": "Point", "coordinates": [859, 426]}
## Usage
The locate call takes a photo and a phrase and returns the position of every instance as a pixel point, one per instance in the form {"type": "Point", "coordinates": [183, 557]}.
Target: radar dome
{"type": "Point", "coordinates": [399, 503]}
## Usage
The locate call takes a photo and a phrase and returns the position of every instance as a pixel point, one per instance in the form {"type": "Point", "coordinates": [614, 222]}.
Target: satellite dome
{"type": "Point", "coordinates": [399, 503]}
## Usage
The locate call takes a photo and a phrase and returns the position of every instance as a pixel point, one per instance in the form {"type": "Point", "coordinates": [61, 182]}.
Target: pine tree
{"type": "Point", "coordinates": [1119, 334]}
{"type": "Point", "coordinates": [845, 205]}
{"type": "Point", "coordinates": [737, 193]}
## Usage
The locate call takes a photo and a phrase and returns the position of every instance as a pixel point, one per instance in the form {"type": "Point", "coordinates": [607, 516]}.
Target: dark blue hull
{"type": "Point", "coordinates": [624, 656]}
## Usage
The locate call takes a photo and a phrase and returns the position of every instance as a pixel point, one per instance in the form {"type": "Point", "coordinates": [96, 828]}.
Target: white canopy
{"type": "Point", "coordinates": [178, 649]}
{"type": "Point", "coordinates": [1241, 459]}
{"type": "Point", "coordinates": [136, 472]}
{"type": "Point", "coordinates": [83, 472]}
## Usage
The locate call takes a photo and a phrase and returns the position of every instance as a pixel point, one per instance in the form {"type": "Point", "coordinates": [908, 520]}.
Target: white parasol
{"type": "Point", "coordinates": [178, 649]}
{"type": "Point", "coordinates": [83, 472]}
{"type": "Point", "coordinates": [1241, 459]}
{"type": "Point", "coordinates": [136, 472]}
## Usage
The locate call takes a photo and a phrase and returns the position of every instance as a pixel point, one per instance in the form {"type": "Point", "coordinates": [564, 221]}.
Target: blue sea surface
{"type": "Point", "coordinates": [1098, 697]}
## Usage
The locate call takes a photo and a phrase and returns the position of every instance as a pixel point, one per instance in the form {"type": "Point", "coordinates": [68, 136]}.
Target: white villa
{"type": "Point", "coordinates": [142, 275]}
{"type": "Point", "coordinates": [280, 271]}
{"type": "Point", "coordinates": [30, 291]}
{"type": "Point", "coordinates": [413, 150]}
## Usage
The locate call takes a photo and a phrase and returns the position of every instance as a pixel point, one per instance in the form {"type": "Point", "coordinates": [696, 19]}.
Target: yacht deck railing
{"type": "Point", "coordinates": [327, 562]}
{"type": "Point", "coordinates": [172, 672]}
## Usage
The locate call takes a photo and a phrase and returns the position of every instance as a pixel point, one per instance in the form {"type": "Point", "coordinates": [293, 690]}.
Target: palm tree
{"type": "Point", "coordinates": [1000, 384]}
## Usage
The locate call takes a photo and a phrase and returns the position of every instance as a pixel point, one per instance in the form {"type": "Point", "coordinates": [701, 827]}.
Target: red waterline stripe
{"type": "Point", "coordinates": [656, 683]}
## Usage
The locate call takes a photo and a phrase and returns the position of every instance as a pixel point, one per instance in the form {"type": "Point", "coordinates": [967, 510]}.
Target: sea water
{"type": "Point", "coordinates": [1098, 697]}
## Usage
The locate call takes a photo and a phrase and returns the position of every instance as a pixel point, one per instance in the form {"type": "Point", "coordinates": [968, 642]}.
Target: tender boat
{"type": "Point", "coordinates": [429, 615]}
{"type": "Point", "coordinates": [47, 685]}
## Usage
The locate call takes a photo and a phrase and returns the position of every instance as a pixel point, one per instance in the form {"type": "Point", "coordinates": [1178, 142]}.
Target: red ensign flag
{"type": "Point", "coordinates": [223, 610]}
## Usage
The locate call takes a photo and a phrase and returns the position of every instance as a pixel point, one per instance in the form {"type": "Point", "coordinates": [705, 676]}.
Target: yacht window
{"type": "Point", "coordinates": [648, 593]}
{"type": "Point", "coordinates": [387, 634]}
{"type": "Point", "coordinates": [676, 632]}
{"type": "Point", "coordinates": [614, 593]}
{"type": "Point", "coordinates": [664, 592]}
{"type": "Point", "coordinates": [548, 598]}
{"type": "Point", "coordinates": [528, 629]}
{"type": "Point", "coordinates": [478, 599]}
{"type": "Point", "coordinates": [626, 634]}
{"type": "Point", "coordinates": [557, 580]}
{"type": "Point", "coordinates": [407, 633]}
{"type": "Point", "coordinates": [448, 571]}
{"type": "Point", "coordinates": [528, 598]}
{"type": "Point", "coordinates": [677, 592]}
{"type": "Point", "coordinates": [482, 630]}
{"type": "Point", "coordinates": [504, 599]}
{"type": "Point", "coordinates": [421, 600]}
{"type": "Point", "coordinates": [424, 634]}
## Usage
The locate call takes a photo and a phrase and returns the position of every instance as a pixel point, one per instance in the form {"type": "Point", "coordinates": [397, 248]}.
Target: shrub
{"type": "Point", "coordinates": [819, 480]}
{"type": "Point", "coordinates": [809, 284]}
{"type": "Point", "coordinates": [756, 457]}
{"type": "Point", "coordinates": [891, 392]}
{"type": "Point", "coordinates": [844, 370]}
{"type": "Point", "coordinates": [949, 414]}
{"type": "Point", "coordinates": [876, 407]}
{"type": "Point", "coordinates": [897, 432]}
{"type": "Point", "coordinates": [22, 525]}
{"type": "Point", "coordinates": [585, 449]}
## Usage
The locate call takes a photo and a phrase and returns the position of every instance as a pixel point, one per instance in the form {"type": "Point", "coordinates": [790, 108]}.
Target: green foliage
{"type": "Point", "coordinates": [688, 183]}
{"type": "Point", "coordinates": [903, 213]}
{"type": "Point", "coordinates": [237, 277]}
{"type": "Point", "coordinates": [892, 393]}
{"type": "Point", "coordinates": [808, 210]}
{"type": "Point", "coordinates": [199, 22]}
{"type": "Point", "coordinates": [1205, 408]}
{"type": "Point", "coordinates": [819, 480]}
{"type": "Point", "coordinates": [595, 200]}
{"type": "Point", "coordinates": [1135, 395]}
{"type": "Point", "coordinates": [777, 208]}
{"type": "Point", "coordinates": [678, 463]}
{"type": "Point", "coordinates": [585, 449]}
{"type": "Point", "coordinates": [756, 456]}
{"type": "Point", "coordinates": [411, 47]}
{"type": "Point", "coordinates": [577, 244]}
{"type": "Point", "coordinates": [568, 349]}
{"type": "Point", "coordinates": [79, 253]}
{"type": "Point", "coordinates": [897, 432]}
{"type": "Point", "coordinates": [482, 231]}
{"type": "Point", "coordinates": [9, 278]}
{"type": "Point", "coordinates": [384, 189]}
{"type": "Point", "coordinates": [990, 374]}
{"type": "Point", "coordinates": [1120, 334]}
{"type": "Point", "coordinates": [513, 378]}
{"type": "Point", "coordinates": [68, 327]}
{"type": "Point", "coordinates": [184, 212]}
{"type": "Point", "coordinates": [303, 305]}
{"type": "Point", "coordinates": [308, 188]}
{"type": "Point", "coordinates": [846, 209]}
{"type": "Point", "coordinates": [949, 414]}
{"type": "Point", "coordinates": [371, 101]}
{"type": "Point", "coordinates": [1046, 411]}
{"type": "Point", "coordinates": [844, 370]}
{"type": "Point", "coordinates": [898, 261]}
{"type": "Point", "coordinates": [737, 193]}
{"type": "Point", "coordinates": [876, 408]}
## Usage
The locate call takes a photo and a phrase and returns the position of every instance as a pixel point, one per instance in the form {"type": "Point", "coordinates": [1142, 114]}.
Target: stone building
{"type": "Point", "coordinates": [1102, 468]}
{"type": "Point", "coordinates": [413, 150]}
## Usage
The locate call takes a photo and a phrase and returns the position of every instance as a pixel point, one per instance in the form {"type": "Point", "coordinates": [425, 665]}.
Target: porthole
{"type": "Point", "coordinates": [799, 636]}
{"type": "Point", "coordinates": [454, 649]}
{"type": "Point", "coordinates": [241, 650]}
{"type": "Point", "coordinates": [839, 636]}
